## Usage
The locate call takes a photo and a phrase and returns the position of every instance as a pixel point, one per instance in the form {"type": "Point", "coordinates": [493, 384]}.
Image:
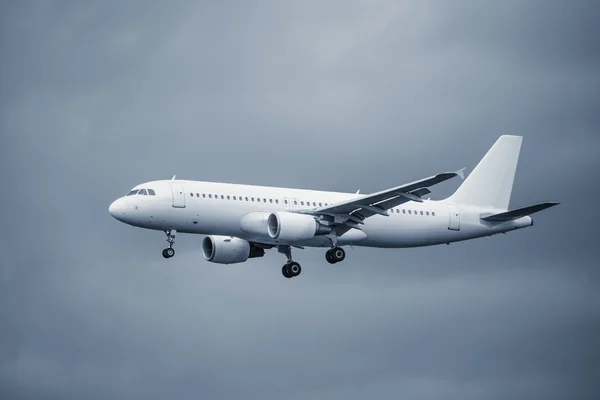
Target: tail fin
{"type": "Point", "coordinates": [490, 184]}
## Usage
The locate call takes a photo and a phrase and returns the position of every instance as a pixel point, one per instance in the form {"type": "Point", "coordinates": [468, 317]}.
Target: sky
{"type": "Point", "coordinates": [99, 96]}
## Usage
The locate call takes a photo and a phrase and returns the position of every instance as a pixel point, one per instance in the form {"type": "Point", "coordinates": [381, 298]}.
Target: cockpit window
{"type": "Point", "coordinates": [143, 192]}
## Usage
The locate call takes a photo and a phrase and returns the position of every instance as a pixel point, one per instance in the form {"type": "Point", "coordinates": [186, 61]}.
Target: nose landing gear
{"type": "Point", "coordinates": [170, 251]}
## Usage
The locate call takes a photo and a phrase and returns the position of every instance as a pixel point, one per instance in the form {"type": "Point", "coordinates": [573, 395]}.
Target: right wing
{"type": "Point", "coordinates": [351, 213]}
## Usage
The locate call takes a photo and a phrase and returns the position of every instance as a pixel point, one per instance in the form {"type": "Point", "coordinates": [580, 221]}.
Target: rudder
{"type": "Point", "coordinates": [490, 184]}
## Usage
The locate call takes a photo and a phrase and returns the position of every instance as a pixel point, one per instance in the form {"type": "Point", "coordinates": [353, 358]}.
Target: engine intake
{"type": "Point", "coordinates": [290, 227]}
{"type": "Point", "coordinates": [229, 250]}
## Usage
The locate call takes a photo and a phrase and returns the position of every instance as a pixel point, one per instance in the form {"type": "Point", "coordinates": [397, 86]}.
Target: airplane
{"type": "Point", "coordinates": [242, 221]}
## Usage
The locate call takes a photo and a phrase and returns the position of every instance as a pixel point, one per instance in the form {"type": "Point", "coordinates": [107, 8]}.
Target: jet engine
{"type": "Point", "coordinates": [229, 250]}
{"type": "Point", "coordinates": [290, 227]}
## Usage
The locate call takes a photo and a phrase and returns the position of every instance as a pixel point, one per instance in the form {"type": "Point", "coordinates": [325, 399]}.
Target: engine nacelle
{"type": "Point", "coordinates": [228, 249]}
{"type": "Point", "coordinates": [290, 227]}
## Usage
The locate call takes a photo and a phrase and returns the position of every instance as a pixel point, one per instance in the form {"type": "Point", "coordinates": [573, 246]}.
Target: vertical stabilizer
{"type": "Point", "coordinates": [490, 184]}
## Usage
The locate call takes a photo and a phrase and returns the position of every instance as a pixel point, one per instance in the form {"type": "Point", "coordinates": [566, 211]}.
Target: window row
{"type": "Point", "coordinates": [143, 192]}
{"type": "Point", "coordinates": [412, 212]}
{"type": "Point", "coordinates": [256, 199]}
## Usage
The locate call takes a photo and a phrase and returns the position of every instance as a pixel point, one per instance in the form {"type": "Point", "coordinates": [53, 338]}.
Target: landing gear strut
{"type": "Point", "coordinates": [170, 251]}
{"type": "Point", "coordinates": [291, 268]}
{"type": "Point", "coordinates": [335, 255]}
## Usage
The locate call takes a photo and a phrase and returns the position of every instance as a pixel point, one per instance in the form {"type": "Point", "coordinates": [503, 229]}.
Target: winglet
{"type": "Point", "coordinates": [173, 178]}
{"type": "Point", "coordinates": [461, 173]}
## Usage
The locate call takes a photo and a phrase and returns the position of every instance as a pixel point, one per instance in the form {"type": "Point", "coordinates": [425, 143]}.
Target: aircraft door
{"type": "Point", "coordinates": [178, 195]}
{"type": "Point", "coordinates": [454, 223]}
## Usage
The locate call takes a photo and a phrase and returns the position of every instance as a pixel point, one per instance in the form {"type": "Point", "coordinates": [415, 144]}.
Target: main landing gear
{"type": "Point", "coordinates": [335, 255]}
{"type": "Point", "coordinates": [291, 268]}
{"type": "Point", "coordinates": [170, 251]}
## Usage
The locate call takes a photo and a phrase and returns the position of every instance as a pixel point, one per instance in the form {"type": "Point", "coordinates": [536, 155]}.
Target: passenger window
{"type": "Point", "coordinates": [427, 212]}
{"type": "Point", "coordinates": [252, 198]}
{"type": "Point", "coordinates": [270, 200]}
{"type": "Point", "coordinates": [421, 212]}
{"type": "Point", "coordinates": [295, 203]}
{"type": "Point", "coordinates": [210, 196]}
{"type": "Point", "coordinates": [302, 203]}
{"type": "Point", "coordinates": [222, 197]}
{"type": "Point", "coordinates": [246, 198]}
{"type": "Point", "coordinates": [403, 211]}
{"type": "Point", "coordinates": [151, 192]}
{"type": "Point", "coordinates": [276, 201]}
{"type": "Point", "coordinates": [433, 214]}
{"type": "Point", "coordinates": [285, 201]}
{"type": "Point", "coordinates": [409, 212]}
{"type": "Point", "coordinates": [320, 204]}
{"type": "Point", "coordinates": [143, 192]}
{"type": "Point", "coordinates": [228, 198]}
{"type": "Point", "coordinates": [204, 195]}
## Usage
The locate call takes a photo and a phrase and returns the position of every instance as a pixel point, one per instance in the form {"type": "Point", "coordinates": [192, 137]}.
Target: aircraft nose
{"type": "Point", "coordinates": [117, 209]}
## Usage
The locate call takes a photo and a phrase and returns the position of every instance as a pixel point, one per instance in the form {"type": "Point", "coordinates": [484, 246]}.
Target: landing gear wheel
{"type": "Point", "coordinates": [168, 252]}
{"type": "Point", "coordinates": [329, 258]}
{"type": "Point", "coordinates": [285, 270]}
{"type": "Point", "coordinates": [294, 268]}
{"type": "Point", "coordinates": [338, 254]}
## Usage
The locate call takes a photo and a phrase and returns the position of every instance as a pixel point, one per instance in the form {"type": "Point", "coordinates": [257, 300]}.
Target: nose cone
{"type": "Point", "coordinates": [117, 209]}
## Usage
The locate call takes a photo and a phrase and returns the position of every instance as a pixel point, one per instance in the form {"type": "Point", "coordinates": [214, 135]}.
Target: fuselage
{"type": "Point", "coordinates": [210, 208]}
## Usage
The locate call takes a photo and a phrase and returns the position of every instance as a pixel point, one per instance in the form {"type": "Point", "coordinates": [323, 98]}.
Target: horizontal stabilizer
{"type": "Point", "coordinates": [518, 213]}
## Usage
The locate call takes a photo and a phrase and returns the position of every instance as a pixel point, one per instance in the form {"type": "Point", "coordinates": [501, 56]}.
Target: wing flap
{"type": "Point", "coordinates": [518, 213]}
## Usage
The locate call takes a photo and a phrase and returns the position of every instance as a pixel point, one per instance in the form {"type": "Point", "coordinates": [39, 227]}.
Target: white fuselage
{"type": "Point", "coordinates": [218, 209]}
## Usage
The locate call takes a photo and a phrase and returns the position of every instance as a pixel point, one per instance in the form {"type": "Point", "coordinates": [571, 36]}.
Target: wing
{"type": "Point", "coordinates": [351, 213]}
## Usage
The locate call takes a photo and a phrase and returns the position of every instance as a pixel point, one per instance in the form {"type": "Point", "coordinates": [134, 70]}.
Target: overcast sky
{"type": "Point", "coordinates": [98, 96]}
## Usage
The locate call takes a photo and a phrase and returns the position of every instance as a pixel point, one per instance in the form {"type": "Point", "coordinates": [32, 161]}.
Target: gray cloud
{"type": "Point", "coordinates": [100, 96]}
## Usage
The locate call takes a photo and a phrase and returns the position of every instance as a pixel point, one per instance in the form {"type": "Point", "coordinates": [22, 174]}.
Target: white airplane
{"type": "Point", "coordinates": [241, 221]}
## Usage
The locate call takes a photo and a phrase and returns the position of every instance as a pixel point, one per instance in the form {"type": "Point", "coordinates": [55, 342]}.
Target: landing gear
{"type": "Point", "coordinates": [291, 268]}
{"type": "Point", "coordinates": [335, 255]}
{"type": "Point", "coordinates": [170, 251]}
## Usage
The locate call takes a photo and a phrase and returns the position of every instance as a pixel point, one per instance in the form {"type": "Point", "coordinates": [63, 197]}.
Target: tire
{"type": "Point", "coordinates": [329, 257]}
{"type": "Point", "coordinates": [294, 268]}
{"type": "Point", "coordinates": [285, 271]}
{"type": "Point", "coordinates": [338, 254]}
{"type": "Point", "coordinates": [169, 252]}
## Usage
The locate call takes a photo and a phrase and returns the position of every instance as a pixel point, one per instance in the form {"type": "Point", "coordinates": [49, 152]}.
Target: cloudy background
{"type": "Point", "coordinates": [97, 96]}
